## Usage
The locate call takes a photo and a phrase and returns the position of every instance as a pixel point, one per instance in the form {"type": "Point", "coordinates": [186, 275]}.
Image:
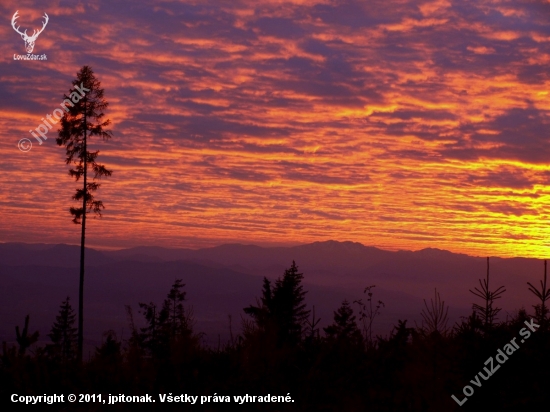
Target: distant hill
{"type": "Point", "coordinates": [222, 280]}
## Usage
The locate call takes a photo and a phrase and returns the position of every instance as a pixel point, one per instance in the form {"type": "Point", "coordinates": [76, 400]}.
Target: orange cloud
{"type": "Point", "coordinates": [392, 124]}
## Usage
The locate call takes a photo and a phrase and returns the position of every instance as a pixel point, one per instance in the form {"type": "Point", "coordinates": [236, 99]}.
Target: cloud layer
{"type": "Point", "coordinates": [393, 123]}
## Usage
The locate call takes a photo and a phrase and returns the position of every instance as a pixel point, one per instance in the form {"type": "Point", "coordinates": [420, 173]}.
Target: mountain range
{"type": "Point", "coordinates": [221, 281]}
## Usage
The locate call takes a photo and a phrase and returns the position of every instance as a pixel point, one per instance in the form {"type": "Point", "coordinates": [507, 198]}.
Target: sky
{"type": "Point", "coordinates": [397, 124]}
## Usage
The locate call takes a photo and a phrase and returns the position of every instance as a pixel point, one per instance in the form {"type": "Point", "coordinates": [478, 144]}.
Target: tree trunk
{"type": "Point", "coordinates": [82, 250]}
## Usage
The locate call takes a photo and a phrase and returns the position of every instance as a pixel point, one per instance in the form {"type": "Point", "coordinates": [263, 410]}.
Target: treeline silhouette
{"type": "Point", "coordinates": [282, 350]}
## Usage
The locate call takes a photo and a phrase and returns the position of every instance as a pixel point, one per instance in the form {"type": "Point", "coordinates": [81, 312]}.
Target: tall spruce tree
{"type": "Point", "coordinates": [83, 118]}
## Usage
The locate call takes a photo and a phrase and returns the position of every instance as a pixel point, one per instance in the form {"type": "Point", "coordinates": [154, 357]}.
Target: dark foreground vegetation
{"type": "Point", "coordinates": [280, 350]}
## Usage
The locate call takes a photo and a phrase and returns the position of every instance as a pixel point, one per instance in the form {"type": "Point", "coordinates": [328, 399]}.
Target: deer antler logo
{"type": "Point", "coordinates": [29, 40]}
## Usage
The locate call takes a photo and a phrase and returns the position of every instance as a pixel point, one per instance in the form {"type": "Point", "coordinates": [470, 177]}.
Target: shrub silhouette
{"type": "Point", "coordinates": [367, 314]}
{"type": "Point", "coordinates": [24, 338]}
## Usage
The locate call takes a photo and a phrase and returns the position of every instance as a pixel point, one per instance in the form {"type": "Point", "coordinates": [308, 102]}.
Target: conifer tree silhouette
{"type": "Point", "coordinates": [64, 334]}
{"type": "Point", "coordinates": [435, 316]}
{"type": "Point", "coordinates": [488, 312]}
{"type": "Point", "coordinates": [166, 325]}
{"type": "Point", "coordinates": [177, 318]}
{"type": "Point", "coordinates": [282, 307]}
{"type": "Point", "coordinates": [312, 329]}
{"type": "Point", "coordinates": [110, 349]}
{"type": "Point", "coordinates": [541, 310]}
{"type": "Point", "coordinates": [151, 335]}
{"type": "Point", "coordinates": [344, 327]}
{"type": "Point", "coordinates": [82, 120]}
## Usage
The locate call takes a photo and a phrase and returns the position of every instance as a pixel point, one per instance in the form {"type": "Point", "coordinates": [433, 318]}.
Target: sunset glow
{"type": "Point", "coordinates": [402, 126]}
